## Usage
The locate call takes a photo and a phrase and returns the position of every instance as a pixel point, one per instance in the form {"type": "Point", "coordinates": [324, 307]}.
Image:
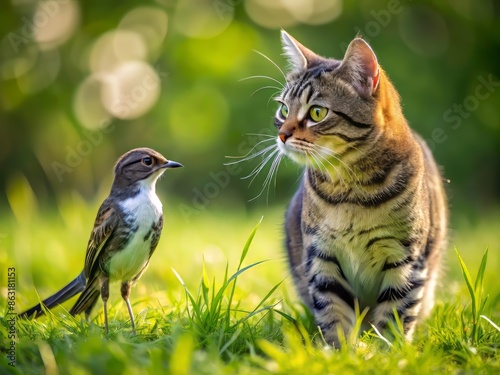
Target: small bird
{"type": "Point", "coordinates": [125, 235]}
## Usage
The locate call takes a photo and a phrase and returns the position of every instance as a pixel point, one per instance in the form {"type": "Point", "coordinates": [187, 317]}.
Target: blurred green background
{"type": "Point", "coordinates": [83, 82]}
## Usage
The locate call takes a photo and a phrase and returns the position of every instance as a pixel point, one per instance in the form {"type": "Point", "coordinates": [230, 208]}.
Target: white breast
{"type": "Point", "coordinates": [147, 209]}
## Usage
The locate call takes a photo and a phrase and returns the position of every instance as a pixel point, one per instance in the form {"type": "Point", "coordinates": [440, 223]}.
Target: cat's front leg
{"type": "Point", "coordinates": [332, 297]}
{"type": "Point", "coordinates": [400, 294]}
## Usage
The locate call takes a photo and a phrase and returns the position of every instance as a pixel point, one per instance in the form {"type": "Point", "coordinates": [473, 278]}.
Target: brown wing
{"type": "Point", "coordinates": [157, 227]}
{"type": "Point", "coordinates": [105, 222]}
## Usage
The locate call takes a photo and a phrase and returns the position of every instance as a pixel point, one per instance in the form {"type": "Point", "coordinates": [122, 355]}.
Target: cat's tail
{"type": "Point", "coordinates": [73, 288]}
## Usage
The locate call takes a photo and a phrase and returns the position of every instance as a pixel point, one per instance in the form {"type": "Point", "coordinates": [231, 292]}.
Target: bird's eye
{"type": "Point", "coordinates": [317, 113]}
{"type": "Point", "coordinates": [283, 111]}
{"type": "Point", "coordinates": [147, 161]}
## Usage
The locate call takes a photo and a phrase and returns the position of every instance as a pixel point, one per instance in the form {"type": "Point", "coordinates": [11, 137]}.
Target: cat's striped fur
{"type": "Point", "coordinates": [368, 223]}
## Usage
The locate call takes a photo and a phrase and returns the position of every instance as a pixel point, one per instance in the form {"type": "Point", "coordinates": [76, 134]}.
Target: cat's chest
{"type": "Point", "coordinates": [347, 233]}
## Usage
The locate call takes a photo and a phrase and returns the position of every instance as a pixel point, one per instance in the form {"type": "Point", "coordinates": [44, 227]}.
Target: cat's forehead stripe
{"type": "Point", "coordinates": [299, 86]}
{"type": "Point", "coordinates": [307, 93]}
{"type": "Point", "coordinates": [304, 89]}
{"type": "Point", "coordinates": [306, 79]}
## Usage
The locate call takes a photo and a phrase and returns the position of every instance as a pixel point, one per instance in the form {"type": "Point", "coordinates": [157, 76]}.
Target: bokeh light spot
{"type": "Point", "coordinates": [203, 19]}
{"type": "Point", "coordinates": [149, 22]}
{"type": "Point", "coordinates": [131, 90]}
{"type": "Point", "coordinates": [55, 22]}
{"type": "Point", "coordinates": [314, 12]}
{"type": "Point", "coordinates": [271, 14]}
{"type": "Point", "coordinates": [115, 47]}
{"type": "Point", "coordinates": [87, 103]}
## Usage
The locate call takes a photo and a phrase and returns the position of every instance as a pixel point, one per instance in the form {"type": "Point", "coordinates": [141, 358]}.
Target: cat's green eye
{"type": "Point", "coordinates": [317, 113]}
{"type": "Point", "coordinates": [284, 111]}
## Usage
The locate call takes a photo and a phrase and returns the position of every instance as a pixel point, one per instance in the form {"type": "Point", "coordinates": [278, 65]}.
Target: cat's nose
{"type": "Point", "coordinates": [284, 136]}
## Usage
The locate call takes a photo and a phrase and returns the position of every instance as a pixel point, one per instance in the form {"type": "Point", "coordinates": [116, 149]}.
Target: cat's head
{"type": "Point", "coordinates": [331, 109]}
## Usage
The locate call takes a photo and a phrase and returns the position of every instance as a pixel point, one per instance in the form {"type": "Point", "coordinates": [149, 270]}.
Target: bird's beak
{"type": "Point", "coordinates": [172, 164]}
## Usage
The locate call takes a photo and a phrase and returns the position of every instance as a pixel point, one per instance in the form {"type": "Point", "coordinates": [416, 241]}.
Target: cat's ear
{"type": "Point", "coordinates": [362, 64]}
{"type": "Point", "coordinates": [299, 57]}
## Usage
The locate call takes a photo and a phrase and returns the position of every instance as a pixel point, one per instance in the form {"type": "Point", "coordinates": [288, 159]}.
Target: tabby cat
{"type": "Point", "coordinates": [368, 224]}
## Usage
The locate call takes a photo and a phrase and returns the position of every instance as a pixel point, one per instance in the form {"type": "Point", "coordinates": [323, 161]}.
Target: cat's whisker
{"type": "Point", "coordinates": [262, 135]}
{"type": "Point", "coordinates": [262, 76]}
{"type": "Point", "coordinates": [309, 149]}
{"type": "Point", "coordinates": [329, 152]}
{"type": "Point", "coordinates": [322, 167]}
{"type": "Point", "coordinates": [272, 62]}
{"type": "Point", "coordinates": [314, 163]}
{"type": "Point", "coordinates": [334, 154]}
{"type": "Point", "coordinates": [264, 88]}
{"type": "Point", "coordinates": [259, 167]}
{"type": "Point", "coordinates": [280, 156]}
{"type": "Point", "coordinates": [249, 154]}
{"type": "Point", "coordinates": [339, 174]}
{"type": "Point", "coordinates": [261, 152]}
{"type": "Point", "coordinates": [321, 157]}
{"type": "Point", "coordinates": [267, 182]}
{"type": "Point", "coordinates": [276, 164]}
{"type": "Point", "coordinates": [319, 163]}
{"type": "Point", "coordinates": [332, 165]}
{"type": "Point", "coordinates": [326, 150]}
{"type": "Point", "coordinates": [309, 164]}
{"type": "Point", "coordinates": [273, 96]}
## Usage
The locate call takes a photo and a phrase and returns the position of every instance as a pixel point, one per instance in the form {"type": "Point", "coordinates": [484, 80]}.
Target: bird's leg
{"type": "Point", "coordinates": [105, 296]}
{"type": "Point", "coordinates": [126, 287]}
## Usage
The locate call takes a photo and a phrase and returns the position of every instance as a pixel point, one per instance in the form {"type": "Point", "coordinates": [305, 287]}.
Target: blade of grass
{"type": "Point", "coordinates": [357, 325]}
{"type": "Point", "coordinates": [249, 242]}
{"type": "Point", "coordinates": [476, 293]}
{"type": "Point", "coordinates": [468, 282]}
{"type": "Point", "coordinates": [481, 271]}
{"type": "Point", "coordinates": [236, 274]}
{"type": "Point", "coordinates": [242, 259]}
{"type": "Point", "coordinates": [286, 316]}
{"type": "Point", "coordinates": [230, 341]}
{"type": "Point", "coordinates": [188, 293]}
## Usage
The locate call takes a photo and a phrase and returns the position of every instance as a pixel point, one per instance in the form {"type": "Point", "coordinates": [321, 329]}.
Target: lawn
{"type": "Point", "coordinates": [212, 303]}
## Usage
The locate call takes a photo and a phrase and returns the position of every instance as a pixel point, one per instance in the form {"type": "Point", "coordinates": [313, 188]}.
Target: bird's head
{"type": "Point", "coordinates": [143, 165]}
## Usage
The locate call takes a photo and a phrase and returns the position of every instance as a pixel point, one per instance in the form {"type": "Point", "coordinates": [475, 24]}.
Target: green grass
{"type": "Point", "coordinates": [217, 300]}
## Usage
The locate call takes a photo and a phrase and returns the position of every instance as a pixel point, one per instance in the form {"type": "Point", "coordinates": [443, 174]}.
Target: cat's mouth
{"type": "Point", "coordinates": [297, 150]}
{"type": "Point", "coordinates": [309, 154]}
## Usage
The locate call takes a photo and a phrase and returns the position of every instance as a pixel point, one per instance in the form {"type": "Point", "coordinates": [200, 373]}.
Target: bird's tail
{"type": "Point", "coordinates": [74, 287]}
{"type": "Point", "coordinates": [87, 300]}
